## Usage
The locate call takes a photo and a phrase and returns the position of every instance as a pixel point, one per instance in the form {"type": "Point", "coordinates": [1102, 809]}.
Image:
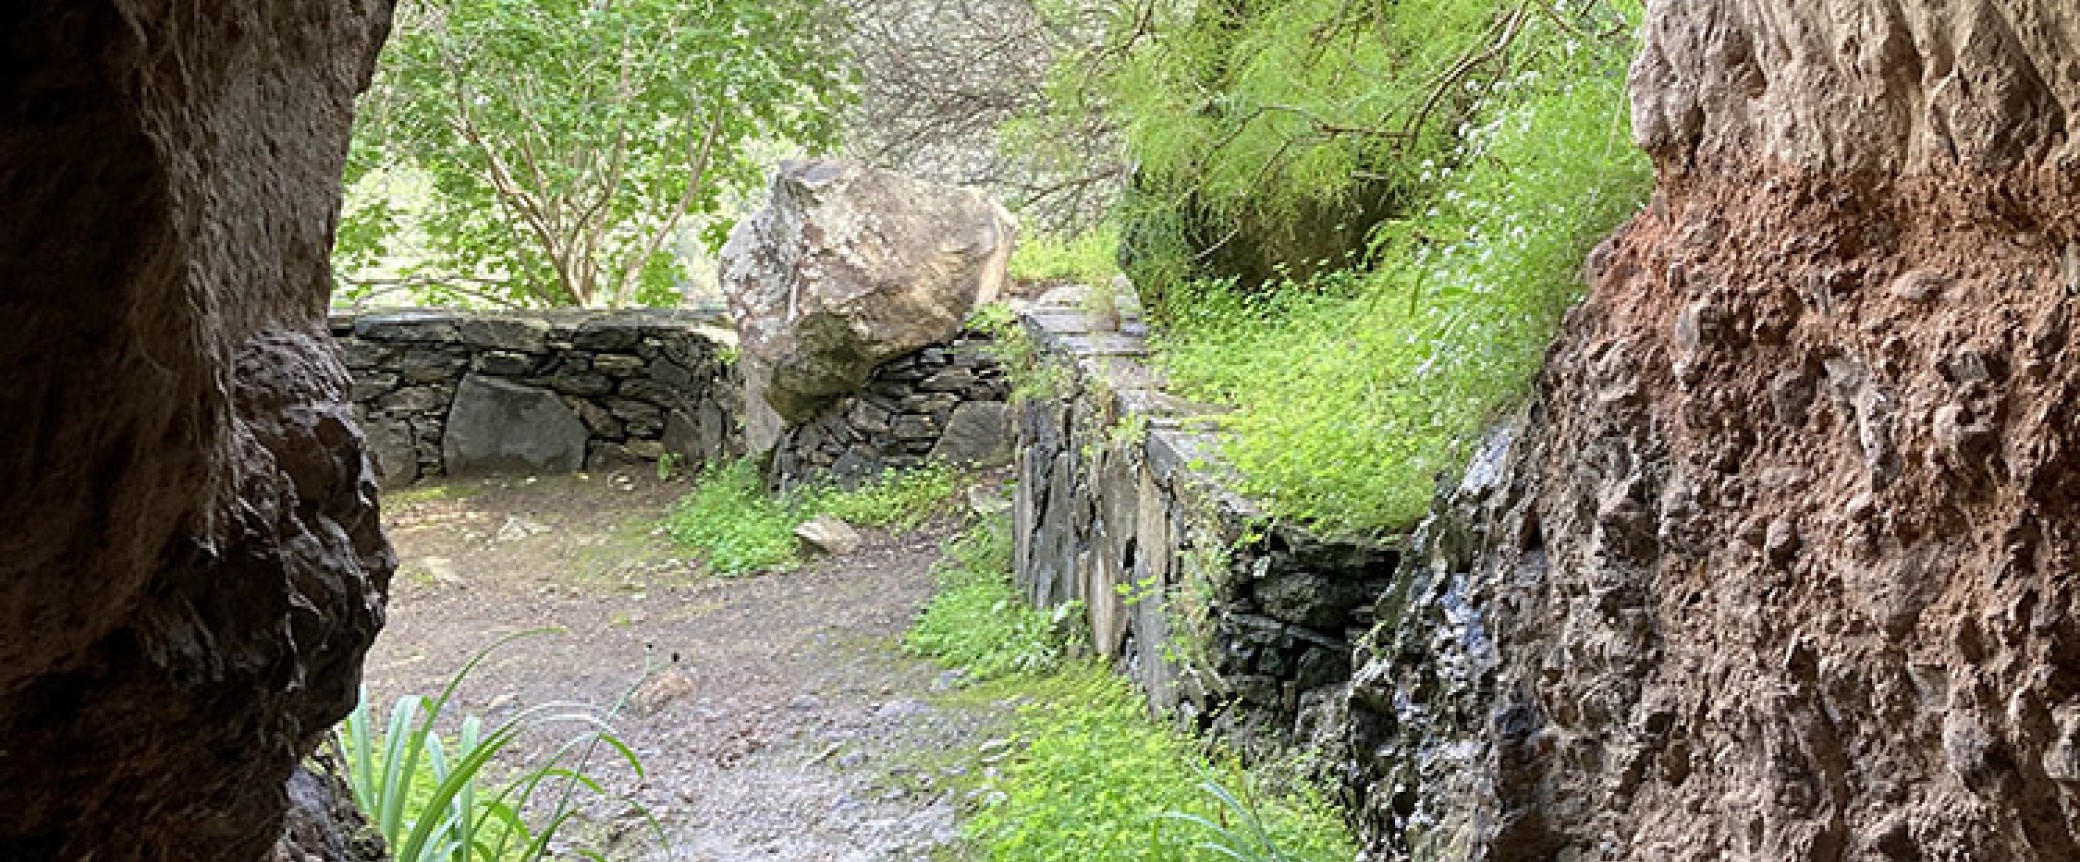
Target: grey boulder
{"type": "Point", "coordinates": [498, 426]}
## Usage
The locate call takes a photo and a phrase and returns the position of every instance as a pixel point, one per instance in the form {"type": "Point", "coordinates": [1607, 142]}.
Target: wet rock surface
{"type": "Point", "coordinates": [1777, 565]}
{"type": "Point", "coordinates": [193, 566]}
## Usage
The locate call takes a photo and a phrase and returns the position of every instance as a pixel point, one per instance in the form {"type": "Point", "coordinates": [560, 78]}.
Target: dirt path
{"type": "Point", "coordinates": [779, 720]}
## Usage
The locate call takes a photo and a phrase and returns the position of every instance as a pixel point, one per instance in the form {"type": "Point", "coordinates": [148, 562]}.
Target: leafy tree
{"type": "Point", "coordinates": [549, 151]}
{"type": "Point", "coordinates": [1270, 137]}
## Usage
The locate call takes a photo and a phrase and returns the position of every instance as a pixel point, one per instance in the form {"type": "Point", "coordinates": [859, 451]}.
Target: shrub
{"type": "Point", "coordinates": [1356, 389]}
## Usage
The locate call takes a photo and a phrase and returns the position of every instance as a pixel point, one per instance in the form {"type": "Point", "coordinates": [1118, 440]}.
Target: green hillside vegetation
{"type": "Point", "coordinates": [1501, 133]}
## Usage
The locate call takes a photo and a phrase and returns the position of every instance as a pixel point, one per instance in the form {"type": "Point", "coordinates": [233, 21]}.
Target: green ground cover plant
{"type": "Point", "coordinates": [976, 621]}
{"type": "Point", "coordinates": [740, 528]}
{"type": "Point", "coordinates": [1355, 389]}
{"type": "Point", "coordinates": [1090, 257]}
{"type": "Point", "coordinates": [900, 499]}
{"type": "Point", "coordinates": [1097, 777]}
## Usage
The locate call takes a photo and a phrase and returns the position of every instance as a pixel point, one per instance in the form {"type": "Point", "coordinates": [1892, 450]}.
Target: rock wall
{"type": "Point", "coordinates": [1780, 563]}
{"type": "Point", "coordinates": [192, 566]}
{"type": "Point", "coordinates": [1238, 626]}
{"type": "Point", "coordinates": [944, 403]}
{"type": "Point", "coordinates": [455, 393]}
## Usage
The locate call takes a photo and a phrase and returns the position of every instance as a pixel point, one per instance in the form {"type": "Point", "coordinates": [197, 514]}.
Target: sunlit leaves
{"type": "Point", "coordinates": [554, 148]}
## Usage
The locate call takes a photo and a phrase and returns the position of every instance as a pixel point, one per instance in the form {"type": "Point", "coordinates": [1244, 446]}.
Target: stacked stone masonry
{"type": "Point", "coordinates": [943, 403]}
{"type": "Point", "coordinates": [444, 393]}
{"type": "Point", "coordinates": [1234, 624]}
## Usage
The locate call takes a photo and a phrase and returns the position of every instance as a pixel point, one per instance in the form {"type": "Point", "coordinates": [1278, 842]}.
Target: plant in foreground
{"type": "Point", "coordinates": [1098, 778]}
{"type": "Point", "coordinates": [431, 802]}
{"type": "Point", "coordinates": [1249, 840]}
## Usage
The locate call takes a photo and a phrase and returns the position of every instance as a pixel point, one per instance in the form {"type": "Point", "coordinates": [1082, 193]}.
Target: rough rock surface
{"type": "Point", "coordinates": [1781, 562]}
{"type": "Point", "coordinates": [845, 268]}
{"type": "Point", "coordinates": [192, 565]}
{"type": "Point", "coordinates": [323, 825]}
{"type": "Point", "coordinates": [498, 426]}
{"type": "Point", "coordinates": [828, 535]}
{"type": "Point", "coordinates": [903, 417]}
{"type": "Point", "coordinates": [1856, 86]}
{"type": "Point", "coordinates": [978, 434]}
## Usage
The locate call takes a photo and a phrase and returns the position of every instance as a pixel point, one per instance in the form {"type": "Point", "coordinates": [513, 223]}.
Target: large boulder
{"type": "Point", "coordinates": [498, 426]}
{"type": "Point", "coordinates": [192, 565]}
{"type": "Point", "coordinates": [845, 268]}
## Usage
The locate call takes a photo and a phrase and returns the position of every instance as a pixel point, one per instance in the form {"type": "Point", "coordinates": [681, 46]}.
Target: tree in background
{"type": "Point", "coordinates": [945, 87]}
{"type": "Point", "coordinates": [1270, 138]}
{"type": "Point", "coordinates": [548, 152]}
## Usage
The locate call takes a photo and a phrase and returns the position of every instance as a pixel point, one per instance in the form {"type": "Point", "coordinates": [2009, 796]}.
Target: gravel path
{"type": "Point", "coordinates": [776, 717]}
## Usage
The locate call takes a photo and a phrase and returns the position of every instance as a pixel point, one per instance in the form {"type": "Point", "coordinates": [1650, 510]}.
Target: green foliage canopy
{"type": "Point", "coordinates": [558, 145]}
{"type": "Point", "coordinates": [1402, 364]}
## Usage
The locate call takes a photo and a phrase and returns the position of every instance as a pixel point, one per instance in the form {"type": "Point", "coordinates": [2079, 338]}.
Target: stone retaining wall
{"type": "Point", "coordinates": [1235, 624]}
{"type": "Point", "coordinates": [943, 403]}
{"type": "Point", "coordinates": [446, 393]}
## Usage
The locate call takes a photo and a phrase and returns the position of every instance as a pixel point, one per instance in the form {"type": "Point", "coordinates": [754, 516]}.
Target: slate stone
{"type": "Point", "coordinates": [498, 426]}
{"type": "Point", "coordinates": [1311, 600]}
{"type": "Point", "coordinates": [600, 421]}
{"type": "Point", "coordinates": [665, 371]}
{"type": "Point", "coordinates": [432, 365]}
{"type": "Point", "coordinates": [406, 326]}
{"type": "Point", "coordinates": [606, 334]}
{"type": "Point", "coordinates": [365, 355]}
{"type": "Point", "coordinates": [618, 364]}
{"type": "Point", "coordinates": [416, 399]}
{"type": "Point", "coordinates": [651, 391]}
{"type": "Point", "coordinates": [635, 411]}
{"type": "Point", "coordinates": [391, 447]}
{"type": "Point", "coordinates": [955, 379]}
{"type": "Point", "coordinates": [518, 334]}
{"type": "Point", "coordinates": [583, 383]}
{"type": "Point", "coordinates": [910, 427]}
{"type": "Point", "coordinates": [978, 434]}
{"type": "Point", "coordinates": [504, 363]}
{"type": "Point", "coordinates": [371, 385]}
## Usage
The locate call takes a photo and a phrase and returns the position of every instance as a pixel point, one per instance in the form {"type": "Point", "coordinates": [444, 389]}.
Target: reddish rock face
{"type": "Point", "coordinates": [192, 565]}
{"type": "Point", "coordinates": [1784, 563]}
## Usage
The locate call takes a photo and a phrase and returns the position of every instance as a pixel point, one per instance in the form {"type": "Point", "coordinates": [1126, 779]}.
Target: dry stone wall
{"type": "Point", "coordinates": [1235, 624]}
{"type": "Point", "coordinates": [445, 393]}
{"type": "Point", "coordinates": [943, 403]}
